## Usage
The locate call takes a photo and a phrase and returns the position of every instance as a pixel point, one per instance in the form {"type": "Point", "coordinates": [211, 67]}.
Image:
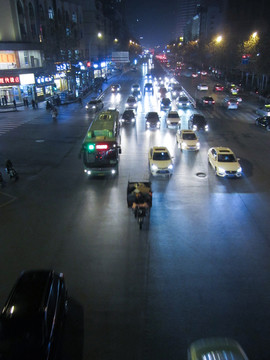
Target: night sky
{"type": "Point", "coordinates": [154, 20]}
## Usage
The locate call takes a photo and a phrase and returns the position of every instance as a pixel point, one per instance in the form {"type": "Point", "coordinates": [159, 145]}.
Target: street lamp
{"type": "Point", "coordinates": [218, 39]}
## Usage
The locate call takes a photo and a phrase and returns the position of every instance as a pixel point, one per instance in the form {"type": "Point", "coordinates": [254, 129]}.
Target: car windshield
{"type": "Point", "coordinates": [176, 116]}
{"type": "Point", "coordinates": [189, 136]}
{"type": "Point", "coordinates": [128, 114]}
{"type": "Point", "coordinates": [166, 101]}
{"type": "Point", "coordinates": [161, 156]}
{"type": "Point", "coordinates": [199, 120]}
{"type": "Point", "coordinates": [183, 98]}
{"type": "Point", "coordinates": [226, 158]}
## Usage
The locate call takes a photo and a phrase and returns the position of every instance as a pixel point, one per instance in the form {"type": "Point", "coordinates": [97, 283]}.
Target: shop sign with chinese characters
{"type": "Point", "coordinates": [9, 80]}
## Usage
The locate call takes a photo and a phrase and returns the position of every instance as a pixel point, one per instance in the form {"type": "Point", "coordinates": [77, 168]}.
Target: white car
{"type": "Point", "coordinates": [160, 161]}
{"type": "Point", "coordinates": [131, 102]}
{"type": "Point", "coordinates": [230, 103]}
{"type": "Point", "coordinates": [202, 87]}
{"type": "Point", "coordinates": [183, 102]}
{"type": "Point", "coordinates": [187, 140]}
{"type": "Point", "coordinates": [264, 110]}
{"type": "Point", "coordinates": [224, 162]}
{"type": "Point", "coordinates": [173, 119]}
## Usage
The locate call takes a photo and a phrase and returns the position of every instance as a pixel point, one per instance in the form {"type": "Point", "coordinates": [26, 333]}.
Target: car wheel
{"type": "Point", "coordinates": [268, 127]}
{"type": "Point", "coordinates": [216, 172]}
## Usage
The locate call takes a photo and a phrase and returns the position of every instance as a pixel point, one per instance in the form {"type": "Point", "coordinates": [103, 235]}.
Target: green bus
{"type": "Point", "coordinates": [102, 145]}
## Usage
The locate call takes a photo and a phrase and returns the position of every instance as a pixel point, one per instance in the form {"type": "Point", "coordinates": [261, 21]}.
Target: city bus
{"type": "Point", "coordinates": [102, 145]}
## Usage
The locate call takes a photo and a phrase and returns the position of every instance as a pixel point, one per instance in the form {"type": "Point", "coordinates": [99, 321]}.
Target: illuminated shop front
{"type": "Point", "coordinates": [27, 87]}
{"type": "Point", "coordinates": [9, 89]}
{"type": "Point", "coordinates": [45, 86]}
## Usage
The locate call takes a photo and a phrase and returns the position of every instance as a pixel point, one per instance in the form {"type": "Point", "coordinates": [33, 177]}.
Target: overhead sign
{"type": "Point", "coordinates": [27, 79]}
{"type": "Point", "coordinates": [120, 57]}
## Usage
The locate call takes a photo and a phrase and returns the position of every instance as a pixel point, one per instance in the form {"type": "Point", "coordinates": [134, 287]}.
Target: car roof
{"type": "Point", "coordinates": [160, 149]}
{"type": "Point", "coordinates": [148, 84]}
{"type": "Point", "coordinates": [173, 112]}
{"type": "Point", "coordinates": [223, 150]}
{"type": "Point", "coordinates": [198, 116]}
{"type": "Point", "coordinates": [29, 294]}
{"type": "Point", "coordinates": [188, 132]}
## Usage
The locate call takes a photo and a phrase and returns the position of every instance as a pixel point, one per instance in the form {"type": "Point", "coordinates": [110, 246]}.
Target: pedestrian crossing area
{"type": "Point", "coordinates": [8, 123]}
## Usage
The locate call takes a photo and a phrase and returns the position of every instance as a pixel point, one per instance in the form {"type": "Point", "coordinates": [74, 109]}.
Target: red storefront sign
{"type": "Point", "coordinates": [9, 80]}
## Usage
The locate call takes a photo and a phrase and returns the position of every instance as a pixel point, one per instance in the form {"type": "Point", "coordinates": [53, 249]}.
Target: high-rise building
{"type": "Point", "coordinates": [186, 9]}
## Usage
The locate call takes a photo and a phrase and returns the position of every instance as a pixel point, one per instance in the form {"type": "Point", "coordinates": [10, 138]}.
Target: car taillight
{"type": "Point", "coordinates": [213, 101]}
{"type": "Point", "coordinates": [205, 101]}
{"type": "Point", "coordinates": [101, 147]}
{"type": "Point", "coordinates": [229, 103]}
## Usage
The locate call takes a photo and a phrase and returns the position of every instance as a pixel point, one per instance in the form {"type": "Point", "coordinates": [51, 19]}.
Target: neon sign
{"type": "Point", "coordinates": [9, 80]}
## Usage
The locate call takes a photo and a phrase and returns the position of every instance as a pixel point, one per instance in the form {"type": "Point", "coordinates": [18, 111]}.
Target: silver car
{"type": "Point", "coordinates": [263, 110]}
{"type": "Point", "coordinates": [94, 105]}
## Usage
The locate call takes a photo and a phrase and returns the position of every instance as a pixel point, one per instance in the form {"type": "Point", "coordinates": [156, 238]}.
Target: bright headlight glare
{"type": "Point", "coordinates": [198, 145]}
{"type": "Point", "coordinates": [133, 120]}
{"type": "Point", "coordinates": [170, 167]}
{"type": "Point", "coordinates": [206, 127]}
{"type": "Point", "coordinates": [154, 167]}
{"type": "Point", "coordinates": [184, 144]}
{"type": "Point", "coordinates": [221, 170]}
{"type": "Point", "coordinates": [239, 170]}
{"type": "Point", "coordinates": [194, 127]}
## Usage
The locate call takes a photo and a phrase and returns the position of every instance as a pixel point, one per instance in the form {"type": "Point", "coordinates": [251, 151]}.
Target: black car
{"type": "Point", "coordinates": [165, 104]}
{"type": "Point", "coordinates": [137, 94]}
{"type": "Point", "coordinates": [264, 122]}
{"type": "Point", "coordinates": [148, 88]}
{"type": "Point", "coordinates": [152, 120]}
{"type": "Point", "coordinates": [207, 101]}
{"type": "Point", "coordinates": [128, 117]}
{"type": "Point", "coordinates": [197, 122]}
{"type": "Point", "coordinates": [32, 318]}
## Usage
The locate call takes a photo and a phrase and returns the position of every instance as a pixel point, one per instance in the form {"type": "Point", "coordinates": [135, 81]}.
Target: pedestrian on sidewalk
{"type": "Point", "coordinates": [36, 103]}
{"type": "Point", "coordinates": [33, 104]}
{"type": "Point", "coordinates": [3, 101]}
{"type": "Point", "coordinates": [14, 104]}
{"type": "Point", "coordinates": [5, 97]}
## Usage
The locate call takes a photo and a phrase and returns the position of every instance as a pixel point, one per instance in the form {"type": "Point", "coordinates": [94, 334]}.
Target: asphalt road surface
{"type": "Point", "coordinates": [199, 267]}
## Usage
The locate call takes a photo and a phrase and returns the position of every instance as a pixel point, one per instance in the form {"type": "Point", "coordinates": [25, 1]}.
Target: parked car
{"type": "Point", "coordinates": [160, 161]}
{"type": "Point", "coordinates": [32, 318]}
{"type": "Point", "coordinates": [263, 110]}
{"type": "Point", "coordinates": [94, 105]}
{"type": "Point", "coordinates": [152, 120]}
{"type": "Point", "coordinates": [187, 140]}
{"type": "Point", "coordinates": [224, 162]}
{"type": "Point", "coordinates": [216, 348]}
{"type": "Point", "coordinates": [264, 122]}
{"type": "Point", "coordinates": [165, 104]}
{"type": "Point", "coordinates": [128, 117]}
{"type": "Point", "coordinates": [197, 122]}
{"type": "Point", "coordinates": [173, 119]}
{"type": "Point", "coordinates": [202, 87]}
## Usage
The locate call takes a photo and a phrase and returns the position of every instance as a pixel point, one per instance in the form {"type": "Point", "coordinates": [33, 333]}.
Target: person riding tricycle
{"type": "Point", "coordinates": [139, 198]}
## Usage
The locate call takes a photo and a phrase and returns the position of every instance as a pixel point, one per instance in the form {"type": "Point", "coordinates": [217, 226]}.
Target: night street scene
{"type": "Point", "coordinates": [134, 184]}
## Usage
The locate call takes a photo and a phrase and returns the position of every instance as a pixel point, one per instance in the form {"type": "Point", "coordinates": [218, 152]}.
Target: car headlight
{"type": "Point", "coordinates": [184, 144]}
{"type": "Point", "coordinates": [126, 105]}
{"type": "Point", "coordinates": [174, 93]}
{"type": "Point", "coordinates": [206, 128]}
{"type": "Point", "coordinates": [133, 120]}
{"type": "Point", "coordinates": [154, 167]}
{"type": "Point", "coordinates": [221, 170]}
{"type": "Point", "coordinates": [194, 127]}
{"type": "Point", "coordinates": [86, 106]}
{"type": "Point", "coordinates": [93, 107]}
{"type": "Point", "coordinates": [239, 170]}
{"type": "Point", "coordinates": [180, 104]}
{"type": "Point", "coordinates": [147, 124]}
{"type": "Point", "coordinates": [198, 145]}
{"type": "Point", "coordinates": [170, 167]}
{"type": "Point", "coordinates": [158, 124]}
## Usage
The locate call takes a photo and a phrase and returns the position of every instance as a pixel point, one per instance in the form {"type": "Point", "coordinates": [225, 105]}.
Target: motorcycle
{"type": "Point", "coordinates": [12, 173]}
